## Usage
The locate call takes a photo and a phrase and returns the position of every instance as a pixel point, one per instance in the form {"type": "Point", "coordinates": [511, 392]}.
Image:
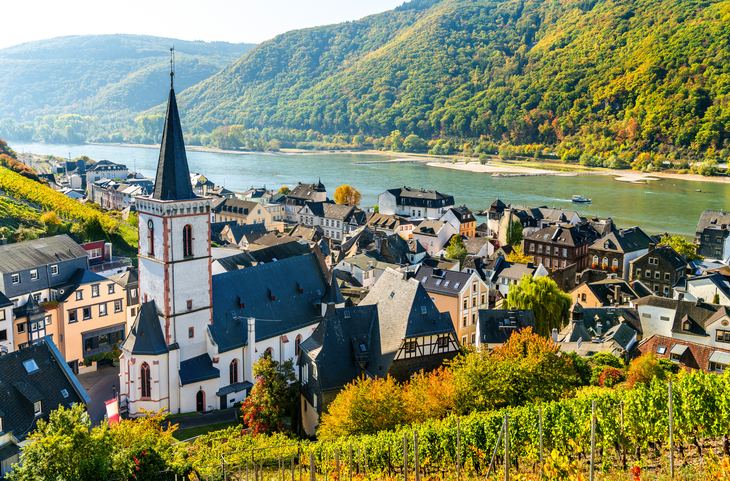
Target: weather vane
{"type": "Point", "coordinates": [172, 65]}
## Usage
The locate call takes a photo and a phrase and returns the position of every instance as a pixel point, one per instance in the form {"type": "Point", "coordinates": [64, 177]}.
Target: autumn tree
{"type": "Point", "coordinates": [52, 222]}
{"type": "Point", "coordinates": [272, 397]}
{"type": "Point", "coordinates": [519, 257]}
{"type": "Point", "coordinates": [456, 249]}
{"type": "Point", "coordinates": [526, 368]}
{"type": "Point", "coordinates": [682, 247]}
{"type": "Point", "coordinates": [645, 368]}
{"type": "Point", "coordinates": [548, 303]}
{"type": "Point", "coordinates": [346, 195]}
{"type": "Point", "coordinates": [284, 190]}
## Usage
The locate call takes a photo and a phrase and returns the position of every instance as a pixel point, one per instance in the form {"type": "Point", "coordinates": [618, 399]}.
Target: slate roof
{"type": "Point", "coordinates": [128, 277]}
{"type": "Point", "coordinates": [429, 227]}
{"type": "Point", "coordinates": [385, 221]}
{"type": "Point", "coordinates": [721, 284]}
{"type": "Point", "coordinates": [381, 323]}
{"type": "Point", "coordinates": [624, 241]}
{"type": "Point", "coordinates": [444, 282]}
{"type": "Point", "coordinates": [234, 206]}
{"type": "Point", "coordinates": [698, 313]}
{"type": "Point", "coordinates": [605, 288]}
{"type": "Point", "coordinates": [474, 244]}
{"type": "Point", "coordinates": [197, 369]}
{"type": "Point", "coordinates": [333, 294]}
{"type": "Point", "coordinates": [395, 249]}
{"type": "Point", "coordinates": [497, 206]}
{"type": "Point", "coordinates": [463, 214]}
{"type": "Point", "coordinates": [309, 233]}
{"type": "Point", "coordinates": [305, 191]}
{"type": "Point", "coordinates": [104, 165]}
{"type": "Point", "coordinates": [80, 277]}
{"type": "Point", "coordinates": [263, 255]}
{"type": "Point", "coordinates": [668, 254]}
{"type": "Point", "coordinates": [172, 181]}
{"type": "Point", "coordinates": [33, 253]}
{"type": "Point", "coordinates": [289, 310]}
{"type": "Point", "coordinates": [497, 325]}
{"type": "Point", "coordinates": [712, 218]}
{"type": "Point", "coordinates": [271, 239]}
{"type": "Point", "coordinates": [330, 210]}
{"type": "Point", "coordinates": [4, 301]}
{"type": "Point", "coordinates": [19, 389]}
{"type": "Point", "coordinates": [440, 263]}
{"type": "Point", "coordinates": [407, 196]}
{"type": "Point", "coordinates": [561, 235]}
{"type": "Point", "coordinates": [146, 337]}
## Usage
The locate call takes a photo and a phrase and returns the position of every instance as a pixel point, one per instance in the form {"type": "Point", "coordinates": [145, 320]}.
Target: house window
{"type": "Point", "coordinates": [21, 328]}
{"type": "Point", "coordinates": [614, 263]}
{"type": "Point", "coordinates": [111, 288]}
{"type": "Point", "coordinates": [4, 335]}
{"type": "Point", "coordinates": [117, 306]}
{"type": "Point", "coordinates": [547, 249]}
{"type": "Point", "coordinates": [675, 357]}
{"type": "Point", "coordinates": [595, 260]}
{"type": "Point", "coordinates": [723, 336]}
{"type": "Point", "coordinates": [532, 247]}
{"type": "Point", "coordinates": [443, 342]}
{"type": "Point", "coordinates": [54, 270]}
{"type": "Point", "coordinates": [463, 340]}
{"type": "Point", "coordinates": [87, 313]}
{"type": "Point", "coordinates": [34, 275]}
{"type": "Point", "coordinates": [233, 371]}
{"type": "Point", "coordinates": [648, 274]}
{"type": "Point", "coordinates": [187, 240]}
{"type": "Point", "coordinates": [72, 316]}
{"type": "Point", "coordinates": [473, 319]}
{"type": "Point", "coordinates": [297, 342]}
{"type": "Point", "coordinates": [102, 309]}
{"type": "Point", "coordinates": [48, 320]}
{"type": "Point", "coordinates": [473, 338]}
{"type": "Point", "coordinates": [656, 288]}
{"type": "Point", "coordinates": [410, 346]}
{"type": "Point", "coordinates": [666, 290]}
{"type": "Point", "coordinates": [15, 278]}
{"type": "Point", "coordinates": [717, 367]}
{"type": "Point", "coordinates": [666, 276]}
{"type": "Point", "coordinates": [605, 261]}
{"type": "Point", "coordinates": [539, 249]}
{"type": "Point", "coordinates": [37, 408]}
{"type": "Point", "coordinates": [657, 274]}
{"type": "Point", "coordinates": [2, 314]}
{"type": "Point", "coordinates": [146, 380]}
{"type": "Point", "coordinates": [463, 322]}
{"type": "Point", "coordinates": [466, 303]}
{"type": "Point", "coordinates": [565, 252]}
{"type": "Point", "coordinates": [483, 299]}
{"type": "Point", "coordinates": [95, 291]}
{"type": "Point", "coordinates": [547, 262]}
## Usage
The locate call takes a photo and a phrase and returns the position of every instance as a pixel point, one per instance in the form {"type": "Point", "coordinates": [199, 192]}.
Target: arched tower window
{"type": "Point", "coordinates": [269, 353]}
{"type": "Point", "coordinates": [150, 238]}
{"type": "Point", "coordinates": [187, 240]}
{"type": "Point", "coordinates": [233, 371]}
{"type": "Point", "coordinates": [146, 380]}
{"type": "Point", "coordinates": [297, 341]}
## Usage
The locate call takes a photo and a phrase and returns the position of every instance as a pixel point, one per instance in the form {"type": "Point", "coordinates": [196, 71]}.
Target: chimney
{"type": "Point", "coordinates": [617, 292]}
{"type": "Point", "coordinates": [251, 348]}
{"type": "Point", "coordinates": [555, 335]}
{"type": "Point", "coordinates": [599, 326]}
{"type": "Point", "coordinates": [651, 246]}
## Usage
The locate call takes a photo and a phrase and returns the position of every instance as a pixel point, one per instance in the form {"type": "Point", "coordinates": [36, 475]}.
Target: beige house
{"type": "Point", "coordinates": [461, 294]}
{"type": "Point", "coordinates": [245, 212]}
{"type": "Point", "coordinates": [89, 317]}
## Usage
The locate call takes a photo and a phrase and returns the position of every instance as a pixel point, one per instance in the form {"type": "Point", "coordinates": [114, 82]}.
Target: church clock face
{"type": "Point", "coordinates": [150, 224]}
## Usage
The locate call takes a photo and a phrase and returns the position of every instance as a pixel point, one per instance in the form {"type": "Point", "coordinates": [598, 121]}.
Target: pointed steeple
{"type": "Point", "coordinates": [173, 177]}
{"type": "Point", "coordinates": [333, 294]}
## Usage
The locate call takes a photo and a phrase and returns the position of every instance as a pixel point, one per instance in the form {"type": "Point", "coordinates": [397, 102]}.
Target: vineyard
{"type": "Point", "coordinates": [631, 428]}
{"type": "Point", "coordinates": [48, 199]}
{"type": "Point", "coordinates": [14, 215]}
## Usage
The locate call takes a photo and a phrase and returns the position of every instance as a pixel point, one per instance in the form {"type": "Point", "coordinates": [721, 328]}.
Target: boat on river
{"type": "Point", "coordinates": [580, 199]}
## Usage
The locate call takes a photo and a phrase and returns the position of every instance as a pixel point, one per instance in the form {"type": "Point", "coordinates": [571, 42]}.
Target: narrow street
{"type": "Point", "coordinates": [98, 386]}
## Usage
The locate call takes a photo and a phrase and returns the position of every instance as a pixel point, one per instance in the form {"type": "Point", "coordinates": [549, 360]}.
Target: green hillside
{"type": "Point", "coordinates": [102, 75]}
{"type": "Point", "coordinates": [608, 74]}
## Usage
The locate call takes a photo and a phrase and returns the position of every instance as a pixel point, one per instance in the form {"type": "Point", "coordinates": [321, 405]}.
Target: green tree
{"type": "Point", "coordinates": [681, 247]}
{"type": "Point", "coordinates": [396, 141]}
{"type": "Point", "coordinates": [483, 158]}
{"type": "Point", "coordinates": [272, 397]}
{"type": "Point", "coordinates": [716, 298]}
{"type": "Point", "coordinates": [456, 249]}
{"type": "Point", "coordinates": [514, 233]}
{"type": "Point", "coordinates": [708, 168]}
{"type": "Point", "coordinates": [414, 143]}
{"type": "Point", "coordinates": [65, 447]}
{"type": "Point", "coordinates": [550, 305]}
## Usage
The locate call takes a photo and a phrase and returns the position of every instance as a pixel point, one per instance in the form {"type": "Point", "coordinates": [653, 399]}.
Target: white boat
{"type": "Point", "coordinates": [580, 198]}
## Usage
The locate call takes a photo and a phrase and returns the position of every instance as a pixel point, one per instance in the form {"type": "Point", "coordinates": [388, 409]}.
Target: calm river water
{"type": "Point", "coordinates": [659, 206]}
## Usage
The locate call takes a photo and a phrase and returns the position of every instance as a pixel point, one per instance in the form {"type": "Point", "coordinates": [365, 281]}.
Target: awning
{"type": "Point", "coordinates": [235, 387]}
{"type": "Point", "coordinates": [678, 349]}
{"type": "Point", "coordinates": [720, 357]}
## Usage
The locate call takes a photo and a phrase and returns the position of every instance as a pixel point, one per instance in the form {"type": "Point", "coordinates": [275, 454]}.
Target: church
{"type": "Point", "coordinates": [197, 335]}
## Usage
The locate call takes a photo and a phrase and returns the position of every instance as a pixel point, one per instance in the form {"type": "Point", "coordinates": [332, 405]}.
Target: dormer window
{"type": "Point", "coordinates": [37, 408]}
{"type": "Point", "coordinates": [686, 325]}
{"type": "Point", "coordinates": [424, 310]}
{"type": "Point", "coordinates": [347, 314]}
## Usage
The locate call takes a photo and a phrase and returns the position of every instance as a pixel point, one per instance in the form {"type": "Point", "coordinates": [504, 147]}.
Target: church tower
{"type": "Point", "coordinates": [175, 281]}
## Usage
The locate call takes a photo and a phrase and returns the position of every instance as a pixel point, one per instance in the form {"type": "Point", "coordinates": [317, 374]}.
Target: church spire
{"type": "Point", "coordinates": [173, 177]}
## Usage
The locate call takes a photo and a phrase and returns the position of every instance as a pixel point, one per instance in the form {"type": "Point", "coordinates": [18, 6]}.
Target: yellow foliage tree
{"type": "Point", "coordinates": [346, 195]}
{"type": "Point", "coordinates": [519, 257]}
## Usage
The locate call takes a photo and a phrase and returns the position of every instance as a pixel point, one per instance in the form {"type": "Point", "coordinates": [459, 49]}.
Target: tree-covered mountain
{"type": "Point", "coordinates": [102, 75]}
{"type": "Point", "coordinates": [606, 74]}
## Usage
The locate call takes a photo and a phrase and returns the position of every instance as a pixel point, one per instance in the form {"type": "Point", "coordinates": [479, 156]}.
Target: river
{"type": "Point", "coordinates": [666, 205]}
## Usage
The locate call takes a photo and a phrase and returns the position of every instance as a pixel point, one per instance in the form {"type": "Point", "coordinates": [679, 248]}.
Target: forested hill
{"type": "Point", "coordinates": [102, 75]}
{"type": "Point", "coordinates": [653, 75]}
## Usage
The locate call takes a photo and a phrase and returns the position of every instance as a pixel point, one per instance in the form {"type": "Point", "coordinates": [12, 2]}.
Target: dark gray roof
{"type": "Point", "coordinates": [253, 287]}
{"type": "Point", "coordinates": [624, 240]}
{"type": "Point", "coordinates": [607, 288]}
{"type": "Point", "coordinates": [126, 278]}
{"type": "Point", "coordinates": [173, 177]}
{"type": "Point", "coordinates": [610, 318]}
{"type": "Point", "coordinates": [19, 389]}
{"type": "Point", "coordinates": [463, 214]}
{"type": "Point", "coordinates": [497, 325]}
{"type": "Point", "coordinates": [440, 281]}
{"type": "Point", "coordinates": [565, 235]}
{"type": "Point", "coordinates": [712, 218]}
{"type": "Point", "coordinates": [104, 165]}
{"type": "Point", "coordinates": [79, 278]}
{"type": "Point", "coordinates": [333, 294]}
{"type": "Point", "coordinates": [146, 337]}
{"type": "Point", "coordinates": [400, 317]}
{"type": "Point", "coordinates": [668, 254]}
{"type": "Point", "coordinates": [421, 197]}
{"type": "Point", "coordinates": [34, 253]}
{"type": "Point", "coordinates": [198, 369]}
{"type": "Point", "coordinates": [4, 301]}
{"type": "Point", "coordinates": [305, 191]}
{"type": "Point", "coordinates": [235, 387]}
{"type": "Point", "coordinates": [264, 255]}
{"type": "Point", "coordinates": [698, 313]}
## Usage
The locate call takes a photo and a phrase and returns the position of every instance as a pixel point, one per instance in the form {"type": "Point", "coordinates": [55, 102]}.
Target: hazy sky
{"type": "Point", "coordinates": [227, 20]}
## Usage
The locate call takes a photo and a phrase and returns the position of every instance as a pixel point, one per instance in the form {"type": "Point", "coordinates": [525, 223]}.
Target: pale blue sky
{"type": "Point", "coordinates": [226, 20]}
